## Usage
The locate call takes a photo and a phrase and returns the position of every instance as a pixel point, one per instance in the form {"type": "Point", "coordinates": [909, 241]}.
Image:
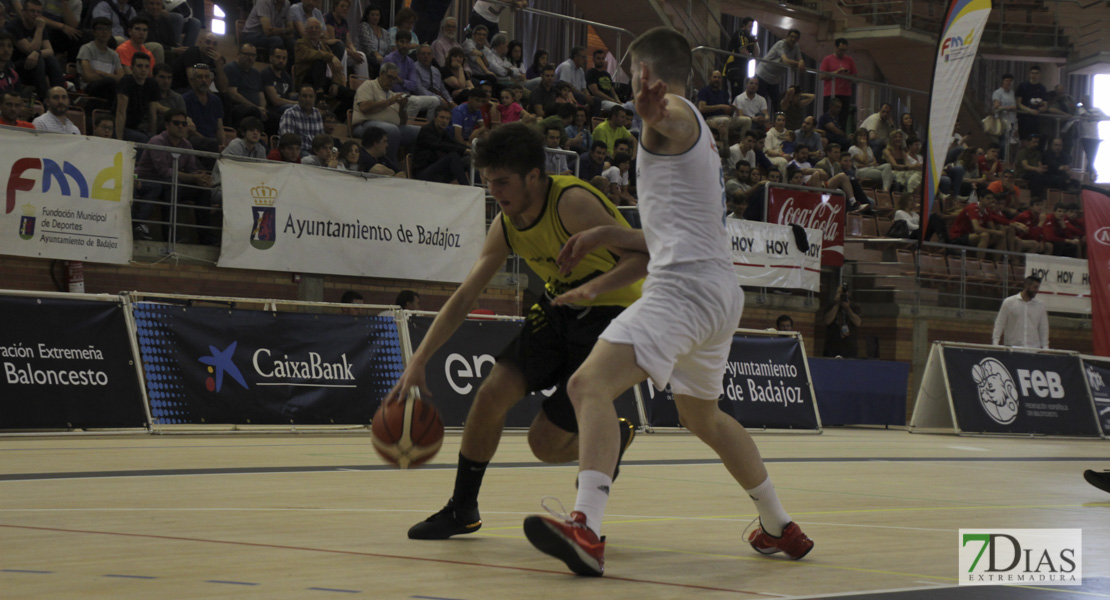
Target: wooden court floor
{"type": "Point", "coordinates": [317, 516]}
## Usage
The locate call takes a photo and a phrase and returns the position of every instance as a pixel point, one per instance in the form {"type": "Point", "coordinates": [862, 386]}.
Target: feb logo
{"type": "Point", "coordinates": [997, 392]}
{"type": "Point", "coordinates": [27, 223]}
{"type": "Point", "coordinates": [264, 226]}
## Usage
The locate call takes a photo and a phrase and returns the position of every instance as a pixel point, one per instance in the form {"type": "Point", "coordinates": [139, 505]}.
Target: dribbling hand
{"type": "Point", "coordinates": [576, 248]}
{"type": "Point", "coordinates": [651, 102]}
{"type": "Point", "coordinates": [413, 377]}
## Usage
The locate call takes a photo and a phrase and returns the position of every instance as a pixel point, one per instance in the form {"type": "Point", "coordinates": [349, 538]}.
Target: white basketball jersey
{"type": "Point", "coordinates": [682, 203]}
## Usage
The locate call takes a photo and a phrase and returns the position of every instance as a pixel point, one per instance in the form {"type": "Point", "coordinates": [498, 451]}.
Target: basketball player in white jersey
{"type": "Point", "coordinates": [679, 331]}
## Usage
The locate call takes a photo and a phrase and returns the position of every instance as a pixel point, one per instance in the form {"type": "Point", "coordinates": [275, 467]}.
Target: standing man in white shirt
{"type": "Point", "coordinates": [752, 105]}
{"type": "Point", "coordinates": [1023, 320]}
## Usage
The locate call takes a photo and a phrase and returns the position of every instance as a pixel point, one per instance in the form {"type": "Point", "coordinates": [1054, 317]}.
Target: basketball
{"type": "Point", "coordinates": [407, 434]}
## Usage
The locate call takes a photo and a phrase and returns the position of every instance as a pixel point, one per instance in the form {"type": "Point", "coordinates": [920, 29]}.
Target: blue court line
{"type": "Point", "coordinates": [24, 571]}
{"type": "Point", "coordinates": [130, 576]}
{"type": "Point", "coordinates": [230, 582]}
{"type": "Point", "coordinates": [320, 589]}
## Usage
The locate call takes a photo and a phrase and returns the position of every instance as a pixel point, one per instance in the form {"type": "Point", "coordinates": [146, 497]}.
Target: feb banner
{"type": "Point", "coordinates": [767, 255]}
{"type": "Point", "coordinates": [67, 197]}
{"type": "Point", "coordinates": [957, 45]}
{"type": "Point", "coordinates": [67, 364]}
{"type": "Point", "coordinates": [1065, 283]}
{"type": "Point", "coordinates": [458, 368]}
{"type": "Point", "coordinates": [1018, 392]}
{"type": "Point", "coordinates": [230, 366]}
{"type": "Point", "coordinates": [1098, 379]}
{"type": "Point", "coordinates": [1096, 215]}
{"type": "Point", "coordinates": [825, 211]}
{"type": "Point", "coordinates": [286, 217]}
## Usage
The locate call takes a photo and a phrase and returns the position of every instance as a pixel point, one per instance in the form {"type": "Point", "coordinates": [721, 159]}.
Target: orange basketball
{"type": "Point", "coordinates": [407, 434]}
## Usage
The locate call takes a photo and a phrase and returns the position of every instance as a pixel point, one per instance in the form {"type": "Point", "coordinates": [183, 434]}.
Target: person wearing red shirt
{"type": "Point", "coordinates": [1007, 195]}
{"type": "Point", "coordinates": [990, 166]}
{"type": "Point", "coordinates": [10, 103]}
{"type": "Point", "coordinates": [977, 225]}
{"type": "Point", "coordinates": [288, 149]}
{"type": "Point", "coordinates": [839, 63]}
{"type": "Point", "coordinates": [1030, 230]}
{"type": "Point", "coordinates": [1055, 232]}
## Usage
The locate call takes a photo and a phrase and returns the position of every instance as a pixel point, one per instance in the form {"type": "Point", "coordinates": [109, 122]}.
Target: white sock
{"type": "Point", "coordinates": [593, 494]}
{"type": "Point", "coordinates": [772, 516]}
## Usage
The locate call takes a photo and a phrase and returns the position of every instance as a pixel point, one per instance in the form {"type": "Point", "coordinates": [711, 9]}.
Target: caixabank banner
{"type": "Point", "coordinates": [998, 391]}
{"type": "Point", "coordinates": [67, 364]}
{"type": "Point", "coordinates": [229, 366]}
{"type": "Point", "coordinates": [458, 368]}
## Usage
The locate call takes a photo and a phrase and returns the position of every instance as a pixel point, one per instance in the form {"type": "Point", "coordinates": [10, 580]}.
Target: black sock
{"type": "Point", "coordinates": [468, 480]}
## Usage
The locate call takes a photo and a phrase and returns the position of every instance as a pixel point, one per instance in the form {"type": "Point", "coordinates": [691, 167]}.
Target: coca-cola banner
{"type": "Point", "coordinates": [823, 210]}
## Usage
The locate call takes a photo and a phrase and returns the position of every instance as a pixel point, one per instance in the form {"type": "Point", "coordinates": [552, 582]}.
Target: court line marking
{"type": "Point", "coordinates": [129, 576]}
{"type": "Point", "coordinates": [230, 582]}
{"type": "Point", "coordinates": [321, 589]}
{"type": "Point", "coordinates": [377, 555]}
{"type": "Point", "coordinates": [32, 571]}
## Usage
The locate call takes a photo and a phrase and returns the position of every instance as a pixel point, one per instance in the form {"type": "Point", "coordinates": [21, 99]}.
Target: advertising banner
{"type": "Point", "coordinates": [1096, 215]}
{"type": "Point", "coordinates": [995, 391]}
{"type": "Point", "coordinates": [767, 255]}
{"type": "Point", "coordinates": [67, 364]}
{"type": "Point", "coordinates": [963, 27]}
{"type": "Point", "coordinates": [67, 197]}
{"type": "Point", "coordinates": [1065, 283]}
{"type": "Point", "coordinates": [230, 366]}
{"type": "Point", "coordinates": [824, 211]}
{"type": "Point", "coordinates": [286, 217]}
{"type": "Point", "coordinates": [1098, 379]}
{"type": "Point", "coordinates": [766, 386]}
{"type": "Point", "coordinates": [458, 368]}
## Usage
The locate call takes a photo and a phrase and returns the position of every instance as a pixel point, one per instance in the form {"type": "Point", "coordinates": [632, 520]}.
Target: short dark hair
{"type": "Point", "coordinates": [289, 139]}
{"type": "Point", "coordinates": [782, 318]}
{"type": "Point", "coordinates": [743, 163]}
{"type": "Point", "coordinates": [142, 56]}
{"type": "Point", "coordinates": [515, 146]}
{"type": "Point", "coordinates": [1006, 76]}
{"type": "Point", "coordinates": [598, 51]}
{"type": "Point", "coordinates": [322, 140]}
{"type": "Point", "coordinates": [1032, 279]}
{"type": "Point", "coordinates": [349, 297]}
{"type": "Point", "coordinates": [372, 136]}
{"type": "Point", "coordinates": [622, 157]}
{"type": "Point", "coordinates": [599, 144]}
{"type": "Point", "coordinates": [101, 22]}
{"type": "Point", "coordinates": [478, 28]}
{"type": "Point", "coordinates": [832, 146]}
{"type": "Point", "coordinates": [403, 37]}
{"type": "Point", "coordinates": [174, 112]}
{"type": "Point", "coordinates": [405, 297]}
{"type": "Point", "coordinates": [801, 147]}
{"type": "Point", "coordinates": [627, 141]}
{"type": "Point", "coordinates": [1034, 68]}
{"type": "Point", "coordinates": [792, 30]}
{"type": "Point", "coordinates": [163, 67]}
{"type": "Point", "coordinates": [551, 126]}
{"type": "Point", "coordinates": [478, 93]}
{"type": "Point", "coordinates": [138, 20]}
{"type": "Point", "coordinates": [39, 2]}
{"type": "Point", "coordinates": [548, 67]}
{"type": "Point", "coordinates": [441, 108]}
{"type": "Point", "coordinates": [666, 52]}
{"type": "Point", "coordinates": [574, 50]}
{"type": "Point", "coordinates": [405, 14]}
{"type": "Point", "coordinates": [100, 117]}
{"type": "Point", "coordinates": [840, 41]}
{"type": "Point", "coordinates": [250, 124]}
{"type": "Point", "coordinates": [614, 111]}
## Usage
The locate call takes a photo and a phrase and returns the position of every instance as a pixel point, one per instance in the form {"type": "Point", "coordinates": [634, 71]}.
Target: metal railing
{"type": "Point", "coordinates": [595, 24]}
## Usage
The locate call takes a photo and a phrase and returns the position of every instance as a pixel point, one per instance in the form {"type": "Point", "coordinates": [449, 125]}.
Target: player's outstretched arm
{"type": "Point", "coordinates": [669, 126]}
{"type": "Point", "coordinates": [631, 268]}
{"type": "Point", "coordinates": [494, 253]}
{"type": "Point", "coordinates": [614, 237]}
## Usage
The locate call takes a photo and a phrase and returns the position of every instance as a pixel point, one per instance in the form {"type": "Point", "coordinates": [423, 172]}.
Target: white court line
{"type": "Point", "coordinates": [970, 448]}
{"type": "Point", "coordinates": [932, 586]}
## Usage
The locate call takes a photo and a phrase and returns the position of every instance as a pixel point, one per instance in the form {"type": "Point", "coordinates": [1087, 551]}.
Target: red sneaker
{"type": "Point", "coordinates": [793, 543]}
{"type": "Point", "coordinates": [569, 541]}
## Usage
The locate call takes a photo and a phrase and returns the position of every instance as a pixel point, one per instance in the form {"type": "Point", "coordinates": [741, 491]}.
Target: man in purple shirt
{"type": "Point", "coordinates": [156, 169]}
{"type": "Point", "coordinates": [409, 81]}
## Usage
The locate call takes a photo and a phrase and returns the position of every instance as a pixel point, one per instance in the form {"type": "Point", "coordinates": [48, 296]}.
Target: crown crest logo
{"type": "Point", "coordinates": [28, 210]}
{"type": "Point", "coordinates": [264, 195]}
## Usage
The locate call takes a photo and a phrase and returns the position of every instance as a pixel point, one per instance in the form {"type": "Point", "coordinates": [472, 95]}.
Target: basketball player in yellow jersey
{"type": "Point", "coordinates": [539, 213]}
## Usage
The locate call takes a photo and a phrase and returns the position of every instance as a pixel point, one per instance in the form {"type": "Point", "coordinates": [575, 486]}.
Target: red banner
{"type": "Point", "coordinates": [1096, 213]}
{"type": "Point", "coordinates": [813, 210]}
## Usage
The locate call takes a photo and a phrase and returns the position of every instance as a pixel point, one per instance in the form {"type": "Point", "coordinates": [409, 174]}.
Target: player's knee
{"type": "Point", "coordinates": [493, 398]}
{"type": "Point", "coordinates": [551, 449]}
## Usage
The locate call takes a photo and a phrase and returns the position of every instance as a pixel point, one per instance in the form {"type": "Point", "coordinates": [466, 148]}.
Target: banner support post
{"type": "Point", "coordinates": [133, 340]}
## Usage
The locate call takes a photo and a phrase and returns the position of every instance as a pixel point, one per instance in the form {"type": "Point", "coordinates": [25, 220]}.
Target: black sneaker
{"type": "Point", "coordinates": [1097, 479]}
{"type": "Point", "coordinates": [628, 433]}
{"type": "Point", "coordinates": [446, 523]}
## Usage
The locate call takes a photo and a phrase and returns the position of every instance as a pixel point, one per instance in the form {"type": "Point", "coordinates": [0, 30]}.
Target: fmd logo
{"type": "Point", "coordinates": [956, 46]}
{"type": "Point", "coordinates": [1021, 556]}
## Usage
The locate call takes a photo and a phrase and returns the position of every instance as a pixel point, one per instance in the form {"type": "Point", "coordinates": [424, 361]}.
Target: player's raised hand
{"type": "Point", "coordinates": [413, 376]}
{"type": "Point", "coordinates": [651, 102]}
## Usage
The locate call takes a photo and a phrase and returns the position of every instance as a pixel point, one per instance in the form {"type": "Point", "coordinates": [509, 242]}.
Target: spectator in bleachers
{"type": "Point", "coordinates": [599, 82]}
{"type": "Point", "coordinates": [244, 87]}
{"type": "Point", "coordinates": [204, 52]}
{"type": "Point", "coordinates": [344, 45]}
{"type": "Point", "coordinates": [744, 150]}
{"type": "Point", "coordinates": [99, 65]}
{"type": "Point", "coordinates": [842, 323]}
{"type": "Point", "coordinates": [277, 83]}
{"type": "Point", "coordinates": [118, 12]}
{"type": "Point", "coordinates": [404, 20]}
{"type": "Point", "coordinates": [250, 142]}
{"type": "Point", "coordinates": [544, 94]}
{"type": "Point", "coordinates": [104, 126]}
{"type": "Point", "coordinates": [1004, 105]}
{"type": "Point", "coordinates": [437, 155]}
{"type": "Point", "coordinates": [1022, 320]}
{"type": "Point", "coordinates": [475, 52]}
{"type": "Point", "coordinates": [375, 144]}
{"type": "Point", "coordinates": [793, 106]}
{"type": "Point", "coordinates": [539, 62]}
{"type": "Point", "coordinates": [1030, 228]}
{"type": "Point", "coordinates": [831, 163]}
{"type": "Point", "coordinates": [753, 106]}
{"type": "Point", "coordinates": [9, 76]}
{"type": "Point", "coordinates": [455, 78]}
{"type": "Point", "coordinates": [990, 163]}
{"type": "Point", "coordinates": [613, 128]}
{"type": "Point", "coordinates": [288, 149]}
{"type": "Point", "coordinates": [1066, 241]}
{"type": "Point", "coordinates": [592, 164]}
{"type": "Point", "coordinates": [466, 118]}
{"type": "Point", "coordinates": [167, 28]}
{"type": "Point", "coordinates": [508, 108]}
{"type": "Point", "coordinates": [858, 201]}
{"type": "Point", "coordinates": [579, 138]}
{"type": "Point", "coordinates": [617, 174]}
{"type": "Point", "coordinates": [573, 71]}
{"type": "Point", "coordinates": [895, 154]}
{"type": "Point", "coordinates": [206, 111]}
{"type": "Point", "coordinates": [1089, 117]}
{"type": "Point", "coordinates": [377, 106]}
{"type": "Point", "coordinates": [783, 56]}
{"type": "Point", "coordinates": [269, 26]}
{"type": "Point", "coordinates": [34, 55]}
{"type": "Point", "coordinates": [740, 184]}
{"type": "Point", "coordinates": [448, 39]}
{"type": "Point", "coordinates": [880, 124]}
{"type": "Point", "coordinates": [742, 42]}
{"type": "Point", "coordinates": [10, 105]}
{"type": "Point", "coordinates": [305, 120]}
{"type": "Point", "coordinates": [157, 166]}
{"type": "Point", "coordinates": [1031, 104]}
{"type": "Point", "coordinates": [373, 39]}
{"type": "Point", "coordinates": [420, 100]}
{"type": "Point", "coordinates": [1005, 192]}
{"type": "Point", "coordinates": [138, 29]}
{"type": "Point", "coordinates": [909, 211]}
{"type": "Point", "coordinates": [54, 120]}
{"type": "Point", "coordinates": [813, 176]}
{"type": "Point", "coordinates": [488, 15]}
{"type": "Point", "coordinates": [324, 153]}
{"type": "Point", "coordinates": [973, 226]}
{"type": "Point", "coordinates": [718, 111]}
{"type": "Point", "coordinates": [864, 161]}
{"type": "Point", "coordinates": [349, 155]}
{"type": "Point", "coordinates": [136, 102]}
{"type": "Point", "coordinates": [830, 124]}
{"type": "Point", "coordinates": [430, 79]}
{"type": "Point", "coordinates": [301, 12]}
{"type": "Point", "coordinates": [809, 136]}
{"type": "Point", "coordinates": [168, 98]}
{"type": "Point", "coordinates": [497, 58]}
{"type": "Point", "coordinates": [1028, 163]}
{"type": "Point", "coordinates": [516, 56]}
{"type": "Point", "coordinates": [62, 19]}
{"type": "Point", "coordinates": [1057, 175]}
{"type": "Point", "coordinates": [839, 63]}
{"type": "Point", "coordinates": [773, 144]}
{"type": "Point", "coordinates": [555, 163]}
{"type": "Point", "coordinates": [314, 59]}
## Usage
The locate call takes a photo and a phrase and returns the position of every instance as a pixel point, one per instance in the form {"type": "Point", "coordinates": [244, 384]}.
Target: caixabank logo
{"type": "Point", "coordinates": [221, 363]}
{"type": "Point", "coordinates": [1021, 556]}
{"type": "Point", "coordinates": [269, 367]}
